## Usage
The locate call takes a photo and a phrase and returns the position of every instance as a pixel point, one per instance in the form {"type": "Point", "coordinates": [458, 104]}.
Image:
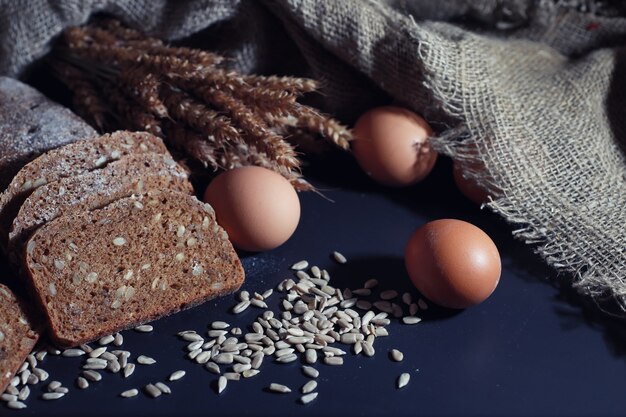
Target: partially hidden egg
{"type": "Point", "coordinates": [258, 208]}
{"type": "Point", "coordinates": [453, 263]}
{"type": "Point", "coordinates": [468, 186]}
{"type": "Point", "coordinates": [391, 146]}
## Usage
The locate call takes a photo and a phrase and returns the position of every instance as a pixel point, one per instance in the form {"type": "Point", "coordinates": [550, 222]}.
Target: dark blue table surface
{"type": "Point", "coordinates": [533, 348]}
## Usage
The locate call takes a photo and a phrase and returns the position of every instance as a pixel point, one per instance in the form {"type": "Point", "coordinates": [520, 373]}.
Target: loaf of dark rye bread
{"type": "Point", "coordinates": [72, 159]}
{"type": "Point", "coordinates": [132, 174]}
{"type": "Point", "coordinates": [137, 259]}
{"type": "Point", "coordinates": [17, 337]}
{"type": "Point", "coordinates": [31, 124]}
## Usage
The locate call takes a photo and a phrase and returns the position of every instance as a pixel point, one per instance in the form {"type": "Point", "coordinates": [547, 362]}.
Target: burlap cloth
{"type": "Point", "coordinates": [530, 94]}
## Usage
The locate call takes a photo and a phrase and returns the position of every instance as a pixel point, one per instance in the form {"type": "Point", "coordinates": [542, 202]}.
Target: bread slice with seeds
{"type": "Point", "coordinates": [72, 159]}
{"type": "Point", "coordinates": [132, 174]}
{"type": "Point", "coordinates": [17, 337]}
{"type": "Point", "coordinates": [98, 272]}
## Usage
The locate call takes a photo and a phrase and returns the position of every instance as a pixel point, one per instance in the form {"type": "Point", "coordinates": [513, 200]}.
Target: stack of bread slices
{"type": "Point", "coordinates": [107, 234]}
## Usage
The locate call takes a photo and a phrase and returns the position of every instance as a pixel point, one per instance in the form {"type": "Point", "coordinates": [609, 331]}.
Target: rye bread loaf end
{"type": "Point", "coordinates": [31, 124]}
{"type": "Point", "coordinates": [17, 337]}
{"type": "Point", "coordinates": [72, 159]}
{"type": "Point", "coordinates": [132, 174]}
{"type": "Point", "coordinates": [137, 259]}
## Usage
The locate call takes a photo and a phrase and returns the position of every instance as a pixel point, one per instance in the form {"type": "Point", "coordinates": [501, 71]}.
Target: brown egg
{"type": "Point", "coordinates": [391, 146]}
{"type": "Point", "coordinates": [258, 208]}
{"type": "Point", "coordinates": [468, 186]}
{"type": "Point", "coordinates": [453, 263]}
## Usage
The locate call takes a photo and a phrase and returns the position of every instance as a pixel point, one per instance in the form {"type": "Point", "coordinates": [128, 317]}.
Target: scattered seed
{"type": "Point", "coordinates": [145, 360]}
{"type": "Point", "coordinates": [144, 328]}
{"type": "Point", "coordinates": [368, 349]}
{"type": "Point", "coordinates": [242, 306]}
{"type": "Point", "coordinates": [152, 390]}
{"type": "Point", "coordinates": [396, 355]}
{"type": "Point", "coordinates": [212, 367]}
{"type": "Point", "coordinates": [305, 399]}
{"type": "Point", "coordinates": [16, 405]}
{"type": "Point", "coordinates": [309, 387]}
{"type": "Point", "coordinates": [128, 370]}
{"type": "Point", "coordinates": [8, 397]}
{"type": "Point", "coordinates": [23, 394]}
{"type": "Point", "coordinates": [388, 295]}
{"type": "Point", "coordinates": [299, 266]}
{"type": "Point", "coordinates": [163, 388]}
{"type": "Point", "coordinates": [53, 386]}
{"type": "Point", "coordinates": [279, 388]}
{"type": "Point", "coordinates": [176, 375]}
{"type": "Point", "coordinates": [221, 384]}
{"type": "Point", "coordinates": [407, 298]}
{"type": "Point", "coordinates": [130, 393]}
{"type": "Point", "coordinates": [219, 325]}
{"type": "Point", "coordinates": [363, 305]}
{"type": "Point", "coordinates": [339, 257]}
{"type": "Point", "coordinates": [52, 395]}
{"type": "Point", "coordinates": [106, 340]}
{"type": "Point", "coordinates": [422, 304]}
{"type": "Point", "coordinates": [82, 383]}
{"type": "Point", "coordinates": [92, 376]}
{"type": "Point", "coordinates": [333, 360]}
{"type": "Point", "coordinates": [411, 320]}
{"type": "Point", "coordinates": [72, 353]}
{"type": "Point", "coordinates": [403, 380]}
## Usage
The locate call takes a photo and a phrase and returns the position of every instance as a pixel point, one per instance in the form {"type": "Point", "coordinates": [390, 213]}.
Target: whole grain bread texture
{"type": "Point", "coordinates": [132, 174]}
{"type": "Point", "coordinates": [17, 336]}
{"type": "Point", "coordinates": [72, 159]}
{"type": "Point", "coordinates": [137, 259]}
{"type": "Point", "coordinates": [31, 124]}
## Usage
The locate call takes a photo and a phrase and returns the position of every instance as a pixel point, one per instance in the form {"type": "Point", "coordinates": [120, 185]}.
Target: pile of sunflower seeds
{"type": "Point", "coordinates": [315, 318]}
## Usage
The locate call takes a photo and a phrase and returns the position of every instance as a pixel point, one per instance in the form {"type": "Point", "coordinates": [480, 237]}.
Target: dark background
{"type": "Point", "coordinates": [533, 348]}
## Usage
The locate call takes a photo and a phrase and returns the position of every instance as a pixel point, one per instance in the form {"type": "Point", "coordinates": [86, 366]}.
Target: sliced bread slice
{"type": "Point", "coordinates": [132, 174]}
{"type": "Point", "coordinates": [72, 159]}
{"type": "Point", "coordinates": [17, 337]}
{"type": "Point", "coordinates": [137, 259]}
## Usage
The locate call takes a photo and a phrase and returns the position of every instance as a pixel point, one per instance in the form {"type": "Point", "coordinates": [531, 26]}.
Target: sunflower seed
{"type": "Point", "coordinates": [411, 320]}
{"type": "Point", "coordinates": [106, 340]}
{"type": "Point", "coordinates": [53, 385]}
{"type": "Point", "coordinates": [309, 387]}
{"type": "Point", "coordinates": [311, 356]}
{"type": "Point", "coordinates": [176, 375]}
{"type": "Point", "coordinates": [145, 360]}
{"type": "Point", "coordinates": [118, 339]}
{"type": "Point", "coordinates": [72, 353]}
{"type": "Point", "coordinates": [243, 305]}
{"type": "Point", "coordinates": [413, 308]}
{"type": "Point", "coordinates": [363, 292]}
{"type": "Point", "coordinates": [8, 397]}
{"type": "Point", "coordinates": [250, 373]}
{"type": "Point", "coordinates": [212, 367]}
{"type": "Point", "coordinates": [258, 303]}
{"type": "Point", "coordinates": [388, 295]}
{"type": "Point", "coordinates": [10, 389]}
{"type": "Point", "coordinates": [368, 349]}
{"type": "Point", "coordinates": [363, 305]}
{"type": "Point", "coordinates": [396, 355]}
{"type": "Point", "coordinates": [305, 399]}
{"type": "Point", "coordinates": [144, 328]}
{"type": "Point", "coordinates": [52, 395]}
{"type": "Point", "coordinates": [152, 390]}
{"type": "Point", "coordinates": [422, 304]}
{"type": "Point", "coordinates": [407, 298]}
{"type": "Point", "coordinates": [298, 266]}
{"type": "Point", "coordinates": [82, 383]}
{"type": "Point", "coordinates": [192, 337]}
{"type": "Point", "coordinates": [130, 393]}
{"type": "Point", "coordinates": [221, 384]}
{"type": "Point", "coordinates": [97, 352]}
{"type": "Point", "coordinates": [16, 405]}
{"type": "Point", "coordinates": [339, 258]}
{"type": "Point", "coordinates": [403, 380]}
{"type": "Point", "coordinates": [224, 358]}
{"type": "Point", "coordinates": [41, 374]}
{"type": "Point", "coordinates": [219, 325]}
{"type": "Point", "coordinates": [279, 388]}
{"type": "Point", "coordinates": [163, 388]}
{"type": "Point", "coordinates": [24, 393]}
{"type": "Point", "coordinates": [287, 358]}
{"type": "Point", "coordinates": [128, 370]}
{"type": "Point", "coordinates": [333, 360]}
{"type": "Point", "coordinates": [92, 376]}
